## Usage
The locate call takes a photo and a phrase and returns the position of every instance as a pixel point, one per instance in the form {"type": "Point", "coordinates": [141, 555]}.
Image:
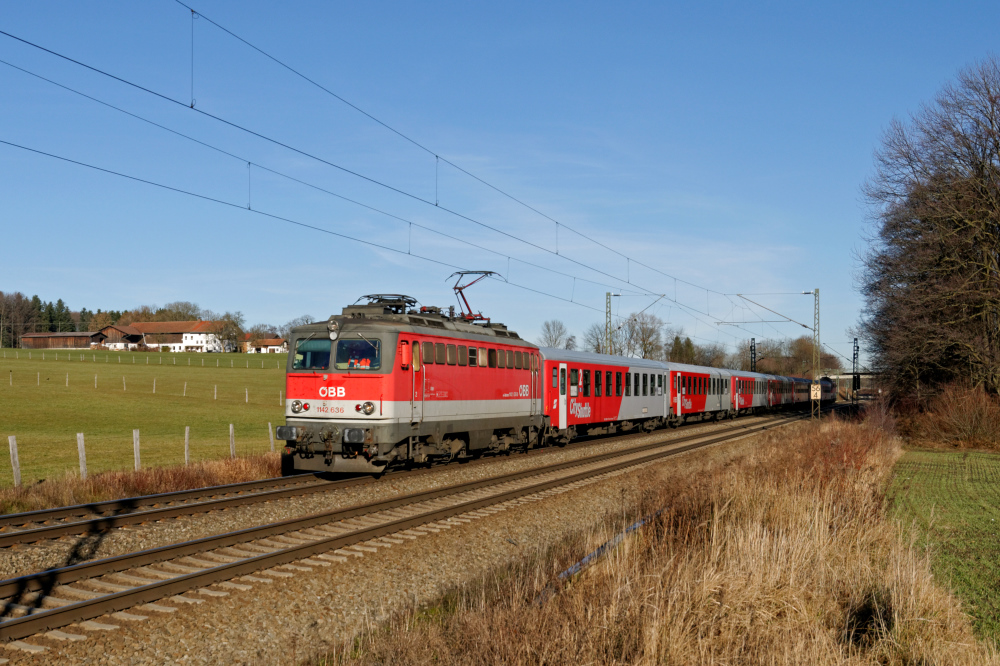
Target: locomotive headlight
{"type": "Point", "coordinates": [368, 407]}
{"type": "Point", "coordinates": [333, 327]}
{"type": "Point", "coordinates": [296, 406]}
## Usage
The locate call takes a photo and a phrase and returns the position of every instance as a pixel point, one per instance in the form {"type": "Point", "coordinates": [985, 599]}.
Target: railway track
{"type": "Point", "coordinates": [180, 572]}
{"type": "Point", "coordinates": [100, 517]}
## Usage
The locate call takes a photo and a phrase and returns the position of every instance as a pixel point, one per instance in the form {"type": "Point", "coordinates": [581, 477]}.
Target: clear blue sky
{"type": "Point", "coordinates": [723, 143]}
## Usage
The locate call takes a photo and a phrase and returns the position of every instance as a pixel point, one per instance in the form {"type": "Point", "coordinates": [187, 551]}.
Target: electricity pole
{"type": "Point", "coordinates": [856, 380]}
{"type": "Point", "coordinates": [607, 324]}
{"type": "Point", "coordinates": [753, 354]}
{"type": "Point", "coordinates": [815, 389]}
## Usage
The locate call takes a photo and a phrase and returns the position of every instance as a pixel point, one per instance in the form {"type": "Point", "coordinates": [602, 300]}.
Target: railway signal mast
{"type": "Point", "coordinates": [815, 391]}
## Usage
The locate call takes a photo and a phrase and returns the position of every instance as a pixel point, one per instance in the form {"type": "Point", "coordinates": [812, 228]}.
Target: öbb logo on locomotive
{"type": "Point", "coordinates": [432, 385]}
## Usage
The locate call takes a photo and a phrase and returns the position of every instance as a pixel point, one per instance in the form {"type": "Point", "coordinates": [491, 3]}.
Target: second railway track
{"type": "Point", "coordinates": [41, 602]}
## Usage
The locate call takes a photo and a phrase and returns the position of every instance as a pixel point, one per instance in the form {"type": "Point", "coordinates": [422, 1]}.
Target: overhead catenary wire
{"type": "Point", "coordinates": [313, 186]}
{"type": "Point", "coordinates": [273, 216]}
{"type": "Point", "coordinates": [437, 156]}
{"type": "Point", "coordinates": [368, 179]}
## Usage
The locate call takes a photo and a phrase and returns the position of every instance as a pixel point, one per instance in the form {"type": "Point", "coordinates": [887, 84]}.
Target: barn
{"type": "Point", "coordinates": [74, 340]}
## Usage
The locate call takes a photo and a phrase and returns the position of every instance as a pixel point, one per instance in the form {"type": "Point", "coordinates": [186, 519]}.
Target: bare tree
{"type": "Point", "coordinates": [931, 275]}
{"type": "Point", "coordinates": [554, 334]}
{"type": "Point", "coordinates": [229, 330]}
{"type": "Point", "coordinates": [286, 330]}
{"type": "Point", "coordinates": [594, 339]}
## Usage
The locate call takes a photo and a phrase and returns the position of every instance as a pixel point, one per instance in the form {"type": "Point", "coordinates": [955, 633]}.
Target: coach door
{"type": "Point", "coordinates": [532, 361]}
{"type": "Point", "coordinates": [417, 378]}
{"type": "Point", "coordinates": [563, 423]}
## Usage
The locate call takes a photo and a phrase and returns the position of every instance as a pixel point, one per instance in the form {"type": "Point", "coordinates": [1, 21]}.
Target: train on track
{"type": "Point", "coordinates": [387, 383]}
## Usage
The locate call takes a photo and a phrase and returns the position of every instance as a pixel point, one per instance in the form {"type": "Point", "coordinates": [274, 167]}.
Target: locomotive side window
{"type": "Point", "coordinates": [628, 383]}
{"type": "Point", "coordinates": [586, 383]}
{"type": "Point", "coordinates": [597, 383]}
{"type": "Point", "coordinates": [452, 355]}
{"type": "Point", "coordinates": [472, 357]}
{"type": "Point", "coordinates": [440, 353]}
{"type": "Point", "coordinates": [358, 354]}
{"type": "Point", "coordinates": [555, 378]}
{"type": "Point", "coordinates": [618, 384]}
{"type": "Point", "coordinates": [492, 358]}
{"type": "Point", "coordinates": [517, 360]}
{"type": "Point", "coordinates": [501, 359]}
{"type": "Point", "coordinates": [484, 358]}
{"type": "Point", "coordinates": [607, 383]}
{"type": "Point", "coordinates": [428, 353]}
{"type": "Point", "coordinates": [510, 359]}
{"type": "Point", "coordinates": [312, 354]}
{"type": "Point", "coordinates": [463, 355]}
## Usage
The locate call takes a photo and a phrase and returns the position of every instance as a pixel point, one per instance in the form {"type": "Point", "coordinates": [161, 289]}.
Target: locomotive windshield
{"type": "Point", "coordinates": [358, 354]}
{"type": "Point", "coordinates": [311, 354]}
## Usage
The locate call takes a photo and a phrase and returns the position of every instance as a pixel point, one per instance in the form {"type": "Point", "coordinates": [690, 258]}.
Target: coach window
{"type": "Point", "coordinates": [555, 378]}
{"type": "Point", "coordinates": [484, 357]}
{"type": "Point", "coordinates": [628, 383]}
{"type": "Point", "coordinates": [472, 357]}
{"type": "Point", "coordinates": [607, 383]}
{"type": "Point", "coordinates": [491, 358]}
{"type": "Point", "coordinates": [452, 355]}
{"type": "Point", "coordinates": [635, 379]}
{"type": "Point", "coordinates": [659, 384]}
{"type": "Point", "coordinates": [501, 359]}
{"type": "Point", "coordinates": [562, 381]}
{"type": "Point", "coordinates": [586, 383]}
{"type": "Point", "coordinates": [598, 383]}
{"type": "Point", "coordinates": [428, 353]}
{"type": "Point", "coordinates": [517, 360]}
{"type": "Point", "coordinates": [574, 377]}
{"type": "Point", "coordinates": [645, 383]}
{"type": "Point", "coordinates": [618, 384]}
{"type": "Point", "coordinates": [463, 355]}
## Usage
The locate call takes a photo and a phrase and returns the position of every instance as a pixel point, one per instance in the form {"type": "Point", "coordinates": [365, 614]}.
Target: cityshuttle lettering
{"type": "Point", "coordinates": [578, 410]}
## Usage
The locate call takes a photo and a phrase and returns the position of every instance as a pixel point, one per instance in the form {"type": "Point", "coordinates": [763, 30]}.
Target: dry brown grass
{"type": "Point", "coordinates": [71, 489]}
{"type": "Point", "coordinates": [959, 416]}
{"type": "Point", "coordinates": [781, 555]}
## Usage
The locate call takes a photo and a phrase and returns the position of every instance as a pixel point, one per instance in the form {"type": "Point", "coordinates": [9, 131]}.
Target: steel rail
{"type": "Point", "coordinates": [131, 503]}
{"type": "Point", "coordinates": [46, 619]}
{"type": "Point", "coordinates": [123, 512]}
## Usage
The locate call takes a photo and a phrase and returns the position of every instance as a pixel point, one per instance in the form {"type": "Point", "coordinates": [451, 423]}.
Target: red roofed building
{"type": "Point", "coordinates": [267, 346]}
{"type": "Point", "coordinates": [177, 336]}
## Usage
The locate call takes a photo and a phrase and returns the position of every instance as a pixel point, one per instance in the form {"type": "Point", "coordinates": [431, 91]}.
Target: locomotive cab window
{"type": "Point", "coordinates": [358, 354]}
{"type": "Point", "coordinates": [312, 354]}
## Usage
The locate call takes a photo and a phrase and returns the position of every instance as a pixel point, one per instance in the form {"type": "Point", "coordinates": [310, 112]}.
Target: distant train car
{"type": "Point", "coordinates": [386, 383]}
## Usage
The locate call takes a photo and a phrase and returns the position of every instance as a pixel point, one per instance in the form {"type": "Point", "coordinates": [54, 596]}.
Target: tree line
{"type": "Point", "coordinates": [930, 276]}
{"type": "Point", "coordinates": [20, 315]}
{"type": "Point", "coordinates": [644, 335]}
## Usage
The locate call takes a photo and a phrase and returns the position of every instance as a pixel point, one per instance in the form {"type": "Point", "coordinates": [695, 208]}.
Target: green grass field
{"type": "Point", "coordinates": [954, 497]}
{"type": "Point", "coordinates": [45, 414]}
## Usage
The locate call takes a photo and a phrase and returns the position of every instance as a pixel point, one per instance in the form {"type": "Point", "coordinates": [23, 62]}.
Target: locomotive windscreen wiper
{"type": "Point", "coordinates": [368, 341]}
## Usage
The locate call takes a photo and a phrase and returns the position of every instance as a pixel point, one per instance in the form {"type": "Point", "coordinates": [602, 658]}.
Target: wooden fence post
{"type": "Point", "coordinates": [124, 388]}
{"type": "Point", "coordinates": [187, 445]}
{"type": "Point", "coordinates": [215, 392]}
{"type": "Point", "coordinates": [14, 462]}
{"type": "Point", "coordinates": [232, 442]}
{"type": "Point", "coordinates": [185, 390]}
{"type": "Point", "coordinates": [135, 448]}
{"type": "Point", "coordinates": [248, 395]}
{"type": "Point", "coordinates": [154, 385]}
{"type": "Point", "coordinates": [67, 380]}
{"type": "Point", "coordinates": [82, 450]}
{"type": "Point", "coordinates": [270, 435]}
